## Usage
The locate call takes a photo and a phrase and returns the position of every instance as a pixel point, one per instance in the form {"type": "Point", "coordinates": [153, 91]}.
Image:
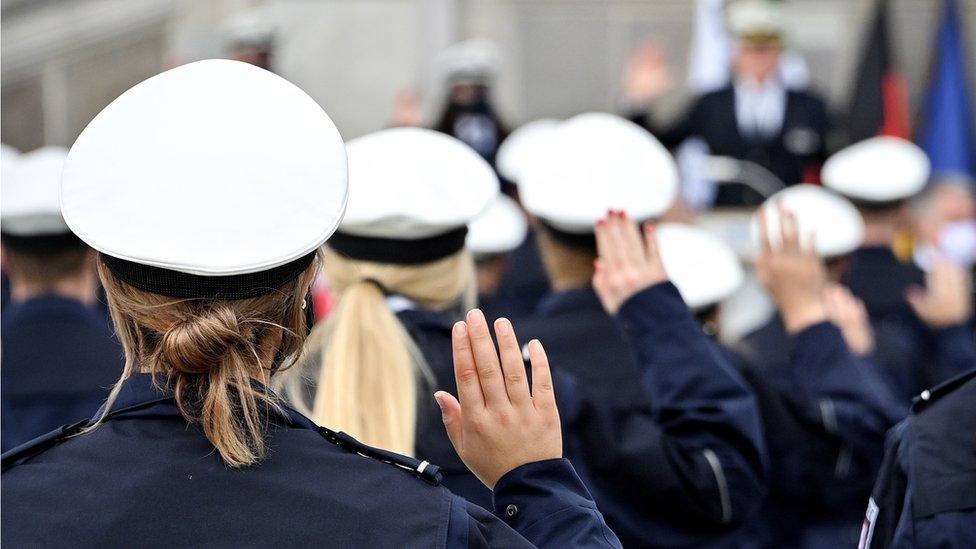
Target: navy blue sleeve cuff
{"type": "Point", "coordinates": [535, 491]}
{"type": "Point", "coordinates": [654, 308]}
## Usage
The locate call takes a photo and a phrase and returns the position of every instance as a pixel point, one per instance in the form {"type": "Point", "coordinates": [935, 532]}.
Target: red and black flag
{"type": "Point", "coordinates": [880, 102]}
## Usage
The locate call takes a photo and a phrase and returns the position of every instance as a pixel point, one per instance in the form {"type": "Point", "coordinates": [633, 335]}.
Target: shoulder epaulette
{"type": "Point", "coordinates": [426, 471]}
{"type": "Point", "coordinates": [929, 395]}
{"type": "Point", "coordinates": [33, 447]}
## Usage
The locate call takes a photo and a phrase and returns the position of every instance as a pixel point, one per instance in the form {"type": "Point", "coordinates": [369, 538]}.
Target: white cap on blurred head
{"type": "Point", "coordinates": [521, 145]}
{"type": "Point", "coordinates": [412, 185]}
{"type": "Point", "coordinates": [878, 170]}
{"type": "Point", "coordinates": [702, 266]}
{"type": "Point", "coordinates": [755, 19]}
{"type": "Point", "coordinates": [8, 153]}
{"type": "Point", "coordinates": [500, 229]}
{"type": "Point", "coordinates": [593, 163]}
{"type": "Point", "coordinates": [216, 168]}
{"type": "Point", "coordinates": [31, 186]}
{"type": "Point", "coordinates": [834, 223]}
{"type": "Point", "coordinates": [472, 61]}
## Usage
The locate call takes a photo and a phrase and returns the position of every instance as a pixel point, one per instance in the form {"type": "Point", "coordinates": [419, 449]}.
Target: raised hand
{"type": "Point", "coordinates": [501, 422]}
{"type": "Point", "coordinates": [627, 261]}
{"type": "Point", "coordinates": [848, 313]}
{"type": "Point", "coordinates": [648, 75]}
{"type": "Point", "coordinates": [792, 272]}
{"type": "Point", "coordinates": [946, 299]}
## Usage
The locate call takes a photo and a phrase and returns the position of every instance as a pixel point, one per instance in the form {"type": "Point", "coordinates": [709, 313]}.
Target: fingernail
{"type": "Point", "coordinates": [460, 329]}
{"type": "Point", "coordinates": [601, 222]}
{"type": "Point", "coordinates": [476, 317]}
{"type": "Point", "coordinates": [503, 326]}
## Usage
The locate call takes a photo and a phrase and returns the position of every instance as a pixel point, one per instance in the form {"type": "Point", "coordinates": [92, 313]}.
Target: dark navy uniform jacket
{"type": "Point", "coordinates": [671, 433]}
{"type": "Point", "coordinates": [431, 331]}
{"type": "Point", "coordinates": [798, 145]}
{"type": "Point", "coordinates": [911, 356]}
{"type": "Point", "coordinates": [926, 492]}
{"type": "Point", "coordinates": [825, 414]}
{"type": "Point", "coordinates": [147, 478]}
{"type": "Point", "coordinates": [60, 358]}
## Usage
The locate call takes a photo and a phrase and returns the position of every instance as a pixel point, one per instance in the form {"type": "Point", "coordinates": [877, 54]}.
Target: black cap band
{"type": "Point", "coordinates": [171, 283]}
{"type": "Point", "coordinates": [579, 241]}
{"type": "Point", "coordinates": [45, 244]}
{"type": "Point", "coordinates": [398, 251]}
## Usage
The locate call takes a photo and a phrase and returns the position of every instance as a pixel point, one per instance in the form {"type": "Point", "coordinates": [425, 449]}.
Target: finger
{"type": "Point", "coordinates": [652, 254]}
{"type": "Point", "coordinates": [633, 243]}
{"type": "Point", "coordinates": [618, 241]}
{"type": "Point", "coordinates": [765, 244]}
{"type": "Point", "coordinates": [788, 233]}
{"type": "Point", "coordinates": [452, 418]}
{"type": "Point", "coordinates": [486, 361]}
{"type": "Point", "coordinates": [513, 366]}
{"type": "Point", "coordinates": [603, 250]}
{"type": "Point", "coordinates": [465, 372]}
{"type": "Point", "coordinates": [543, 396]}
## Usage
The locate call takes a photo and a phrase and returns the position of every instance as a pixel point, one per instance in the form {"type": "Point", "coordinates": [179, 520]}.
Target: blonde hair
{"type": "Point", "coordinates": [209, 351]}
{"type": "Point", "coordinates": [369, 370]}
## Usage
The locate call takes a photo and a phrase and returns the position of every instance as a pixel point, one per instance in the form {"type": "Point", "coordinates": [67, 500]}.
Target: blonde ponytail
{"type": "Point", "coordinates": [369, 370]}
{"type": "Point", "coordinates": [210, 352]}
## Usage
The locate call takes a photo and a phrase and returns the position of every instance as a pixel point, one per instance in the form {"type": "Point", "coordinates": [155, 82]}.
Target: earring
{"type": "Point", "coordinates": [304, 304]}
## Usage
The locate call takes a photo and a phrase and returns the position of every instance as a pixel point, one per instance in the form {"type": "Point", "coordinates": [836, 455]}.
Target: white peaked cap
{"type": "Point", "coordinates": [501, 228]}
{"type": "Point", "coordinates": [879, 169]}
{"type": "Point", "coordinates": [474, 59]}
{"type": "Point", "coordinates": [834, 223]}
{"type": "Point", "coordinates": [212, 168]}
{"type": "Point", "coordinates": [521, 145]}
{"type": "Point", "coordinates": [30, 205]}
{"type": "Point", "coordinates": [703, 267]}
{"type": "Point", "coordinates": [414, 183]}
{"type": "Point", "coordinates": [593, 163]}
{"type": "Point", "coordinates": [755, 17]}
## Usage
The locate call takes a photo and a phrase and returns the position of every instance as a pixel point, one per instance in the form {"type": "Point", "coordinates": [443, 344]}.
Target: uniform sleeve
{"type": "Point", "coordinates": [671, 136]}
{"type": "Point", "coordinates": [887, 516]}
{"type": "Point", "coordinates": [698, 443]}
{"type": "Point", "coordinates": [542, 504]}
{"type": "Point", "coordinates": [844, 394]}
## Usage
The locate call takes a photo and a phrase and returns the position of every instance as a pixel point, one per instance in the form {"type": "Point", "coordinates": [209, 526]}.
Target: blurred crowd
{"type": "Point", "coordinates": [758, 315]}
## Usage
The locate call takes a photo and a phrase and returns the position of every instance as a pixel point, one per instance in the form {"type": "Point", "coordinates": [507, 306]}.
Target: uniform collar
{"type": "Point", "coordinates": [570, 300]}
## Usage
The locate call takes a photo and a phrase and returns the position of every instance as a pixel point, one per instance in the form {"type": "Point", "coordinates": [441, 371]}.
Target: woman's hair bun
{"type": "Point", "coordinates": [200, 342]}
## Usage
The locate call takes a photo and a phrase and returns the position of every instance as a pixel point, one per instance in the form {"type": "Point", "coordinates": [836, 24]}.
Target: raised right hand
{"type": "Point", "coordinates": [648, 75]}
{"type": "Point", "coordinates": [501, 422]}
{"type": "Point", "coordinates": [627, 262]}
{"type": "Point", "coordinates": [792, 272]}
{"type": "Point", "coordinates": [946, 299]}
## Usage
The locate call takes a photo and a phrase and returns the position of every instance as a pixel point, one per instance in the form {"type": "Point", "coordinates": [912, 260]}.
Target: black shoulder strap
{"type": "Point", "coordinates": [33, 447]}
{"type": "Point", "coordinates": [922, 401]}
{"type": "Point", "coordinates": [426, 471]}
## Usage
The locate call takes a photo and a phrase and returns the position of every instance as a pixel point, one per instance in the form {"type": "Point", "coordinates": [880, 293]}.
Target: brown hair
{"type": "Point", "coordinates": [210, 352]}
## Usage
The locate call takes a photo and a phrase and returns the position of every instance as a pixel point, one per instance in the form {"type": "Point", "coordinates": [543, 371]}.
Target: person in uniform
{"type": "Point", "coordinates": [403, 275]}
{"type": "Point", "coordinates": [492, 238]}
{"type": "Point", "coordinates": [207, 191]}
{"type": "Point", "coordinates": [651, 414]}
{"type": "Point", "coordinates": [824, 413]}
{"type": "Point", "coordinates": [924, 496]}
{"type": "Point", "coordinates": [756, 118]}
{"type": "Point", "coordinates": [59, 355]}
{"type": "Point", "coordinates": [469, 69]}
{"type": "Point", "coordinates": [879, 175]}
{"type": "Point", "coordinates": [8, 159]}
{"type": "Point", "coordinates": [524, 287]}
